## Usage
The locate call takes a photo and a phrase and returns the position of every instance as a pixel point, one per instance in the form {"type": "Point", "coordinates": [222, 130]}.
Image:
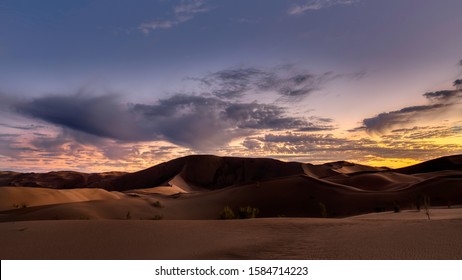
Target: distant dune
{"type": "Point", "coordinates": [55, 180]}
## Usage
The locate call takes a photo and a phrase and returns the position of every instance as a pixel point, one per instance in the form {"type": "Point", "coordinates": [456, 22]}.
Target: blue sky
{"type": "Point", "coordinates": [263, 78]}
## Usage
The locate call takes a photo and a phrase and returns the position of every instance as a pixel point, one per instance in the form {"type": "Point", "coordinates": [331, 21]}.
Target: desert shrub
{"type": "Point", "coordinates": [227, 213]}
{"type": "Point", "coordinates": [322, 208]}
{"type": "Point", "coordinates": [396, 208]}
{"type": "Point", "coordinates": [248, 212]}
{"type": "Point", "coordinates": [426, 206]}
{"type": "Point", "coordinates": [157, 217]}
{"type": "Point", "coordinates": [157, 204]}
{"type": "Point", "coordinates": [244, 212]}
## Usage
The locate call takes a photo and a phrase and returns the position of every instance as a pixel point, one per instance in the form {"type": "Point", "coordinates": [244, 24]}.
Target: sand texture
{"type": "Point", "coordinates": [380, 236]}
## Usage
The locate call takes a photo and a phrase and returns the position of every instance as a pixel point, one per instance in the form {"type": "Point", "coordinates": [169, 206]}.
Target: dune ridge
{"type": "Point", "coordinates": [199, 187]}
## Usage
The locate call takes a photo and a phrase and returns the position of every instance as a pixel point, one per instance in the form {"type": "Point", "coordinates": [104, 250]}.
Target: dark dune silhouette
{"type": "Point", "coordinates": [439, 164]}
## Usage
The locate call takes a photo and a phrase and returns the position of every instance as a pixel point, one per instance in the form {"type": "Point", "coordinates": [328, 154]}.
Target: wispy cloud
{"type": "Point", "coordinates": [182, 13]}
{"type": "Point", "coordinates": [317, 5]}
{"type": "Point", "coordinates": [289, 83]}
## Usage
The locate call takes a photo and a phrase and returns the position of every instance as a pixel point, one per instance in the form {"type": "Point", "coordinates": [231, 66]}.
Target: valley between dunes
{"type": "Point", "coordinates": [338, 210]}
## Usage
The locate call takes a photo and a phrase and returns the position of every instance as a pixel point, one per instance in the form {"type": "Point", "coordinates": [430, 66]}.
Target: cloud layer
{"type": "Point", "coordinates": [196, 122]}
{"type": "Point", "coordinates": [183, 12]}
{"type": "Point", "coordinates": [318, 5]}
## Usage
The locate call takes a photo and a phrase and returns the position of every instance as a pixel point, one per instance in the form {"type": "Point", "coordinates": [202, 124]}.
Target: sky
{"type": "Point", "coordinates": [102, 85]}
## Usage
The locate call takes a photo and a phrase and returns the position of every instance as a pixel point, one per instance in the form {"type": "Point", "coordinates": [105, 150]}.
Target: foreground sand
{"type": "Point", "coordinates": [406, 235]}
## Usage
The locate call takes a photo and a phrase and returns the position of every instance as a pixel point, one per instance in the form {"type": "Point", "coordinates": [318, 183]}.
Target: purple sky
{"type": "Point", "coordinates": [121, 85]}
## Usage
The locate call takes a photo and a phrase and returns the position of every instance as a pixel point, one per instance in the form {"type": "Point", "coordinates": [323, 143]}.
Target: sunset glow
{"type": "Point", "coordinates": [117, 85]}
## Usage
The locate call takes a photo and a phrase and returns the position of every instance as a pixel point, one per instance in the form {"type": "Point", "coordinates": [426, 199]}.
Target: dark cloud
{"type": "Point", "coordinates": [252, 144]}
{"type": "Point", "coordinates": [317, 139]}
{"type": "Point", "coordinates": [102, 116]}
{"type": "Point", "coordinates": [200, 122]}
{"type": "Point", "coordinates": [261, 116]}
{"type": "Point", "coordinates": [191, 121]}
{"type": "Point", "coordinates": [313, 128]}
{"type": "Point", "coordinates": [287, 82]}
{"type": "Point", "coordinates": [385, 121]}
{"type": "Point", "coordinates": [458, 84]}
{"type": "Point", "coordinates": [443, 95]}
{"type": "Point", "coordinates": [233, 83]}
{"type": "Point", "coordinates": [441, 103]}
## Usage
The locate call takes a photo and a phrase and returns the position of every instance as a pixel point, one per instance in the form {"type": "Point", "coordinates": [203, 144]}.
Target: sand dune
{"type": "Point", "coordinates": [439, 164]}
{"type": "Point", "coordinates": [23, 197]}
{"type": "Point", "coordinates": [200, 187]}
{"type": "Point", "coordinates": [379, 181]}
{"type": "Point", "coordinates": [293, 196]}
{"type": "Point", "coordinates": [205, 171]}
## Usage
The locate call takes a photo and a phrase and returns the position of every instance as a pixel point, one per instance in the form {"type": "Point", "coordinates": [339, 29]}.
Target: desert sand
{"type": "Point", "coordinates": [338, 210]}
{"type": "Point", "coordinates": [407, 235]}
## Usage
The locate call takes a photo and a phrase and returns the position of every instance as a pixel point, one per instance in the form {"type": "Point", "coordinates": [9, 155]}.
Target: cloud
{"type": "Point", "coordinates": [22, 127]}
{"type": "Point", "coordinates": [442, 103]}
{"type": "Point", "coordinates": [443, 95]}
{"type": "Point", "coordinates": [147, 27]}
{"type": "Point", "coordinates": [11, 147]}
{"type": "Point", "coordinates": [385, 121]}
{"type": "Point", "coordinates": [458, 84]}
{"type": "Point", "coordinates": [191, 7]}
{"type": "Point", "coordinates": [183, 12]}
{"type": "Point", "coordinates": [289, 83]}
{"type": "Point", "coordinates": [318, 5]}
{"type": "Point", "coordinates": [102, 116]}
{"type": "Point", "coordinates": [424, 132]}
{"type": "Point", "coordinates": [192, 121]}
{"type": "Point", "coordinates": [200, 122]}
